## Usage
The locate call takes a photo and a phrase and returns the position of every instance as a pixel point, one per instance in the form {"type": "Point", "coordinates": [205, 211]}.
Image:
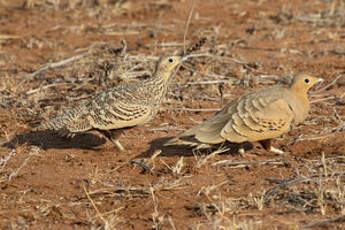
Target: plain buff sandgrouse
{"type": "Point", "coordinates": [256, 116]}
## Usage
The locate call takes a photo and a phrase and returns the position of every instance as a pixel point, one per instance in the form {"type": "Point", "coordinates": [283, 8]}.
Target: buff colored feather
{"type": "Point", "coordinates": [256, 116]}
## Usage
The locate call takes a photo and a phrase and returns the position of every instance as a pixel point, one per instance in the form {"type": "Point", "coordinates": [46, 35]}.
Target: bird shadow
{"type": "Point", "coordinates": [185, 150]}
{"type": "Point", "coordinates": [50, 139]}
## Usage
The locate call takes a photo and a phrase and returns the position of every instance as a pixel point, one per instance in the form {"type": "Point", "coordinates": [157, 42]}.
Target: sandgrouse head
{"type": "Point", "coordinates": [168, 63]}
{"type": "Point", "coordinates": [303, 83]}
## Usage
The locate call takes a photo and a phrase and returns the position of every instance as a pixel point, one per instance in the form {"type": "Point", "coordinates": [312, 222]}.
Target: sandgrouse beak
{"type": "Point", "coordinates": [184, 58]}
{"type": "Point", "coordinates": [320, 80]}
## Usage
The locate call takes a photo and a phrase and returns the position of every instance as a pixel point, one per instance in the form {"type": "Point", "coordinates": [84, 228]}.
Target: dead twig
{"type": "Point", "coordinates": [341, 123]}
{"type": "Point", "coordinates": [196, 110]}
{"type": "Point", "coordinates": [204, 160]}
{"type": "Point", "coordinates": [203, 83]}
{"type": "Point", "coordinates": [218, 57]}
{"type": "Point", "coordinates": [313, 138]}
{"type": "Point", "coordinates": [286, 183]}
{"type": "Point", "coordinates": [46, 87]}
{"type": "Point", "coordinates": [169, 44]}
{"type": "Point", "coordinates": [94, 205]}
{"type": "Point", "coordinates": [56, 64]}
{"type": "Point", "coordinates": [329, 85]}
{"type": "Point", "coordinates": [323, 99]}
{"type": "Point", "coordinates": [120, 190]}
{"type": "Point", "coordinates": [4, 161]}
{"type": "Point", "coordinates": [324, 222]}
{"type": "Point", "coordinates": [35, 151]}
{"type": "Point", "coordinates": [236, 163]}
{"type": "Point", "coordinates": [187, 25]}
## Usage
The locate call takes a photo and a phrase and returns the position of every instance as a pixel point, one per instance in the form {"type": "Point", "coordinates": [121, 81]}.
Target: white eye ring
{"type": "Point", "coordinates": [171, 60]}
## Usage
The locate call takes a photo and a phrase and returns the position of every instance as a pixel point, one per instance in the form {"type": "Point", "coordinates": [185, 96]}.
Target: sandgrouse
{"type": "Point", "coordinates": [119, 108]}
{"type": "Point", "coordinates": [256, 116]}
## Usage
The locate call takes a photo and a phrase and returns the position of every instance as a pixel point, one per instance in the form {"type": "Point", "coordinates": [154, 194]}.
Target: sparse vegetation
{"type": "Point", "coordinates": [57, 54]}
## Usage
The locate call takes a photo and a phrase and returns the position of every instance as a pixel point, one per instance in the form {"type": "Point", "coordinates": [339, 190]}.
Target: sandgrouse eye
{"type": "Point", "coordinates": [306, 80]}
{"type": "Point", "coordinates": [171, 60]}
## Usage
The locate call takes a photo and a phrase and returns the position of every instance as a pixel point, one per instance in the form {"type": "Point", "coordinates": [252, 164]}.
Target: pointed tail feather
{"type": "Point", "coordinates": [74, 120]}
{"type": "Point", "coordinates": [177, 141]}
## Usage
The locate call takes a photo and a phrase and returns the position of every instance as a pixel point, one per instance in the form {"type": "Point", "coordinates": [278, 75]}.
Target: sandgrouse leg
{"type": "Point", "coordinates": [267, 144]}
{"type": "Point", "coordinates": [113, 136]}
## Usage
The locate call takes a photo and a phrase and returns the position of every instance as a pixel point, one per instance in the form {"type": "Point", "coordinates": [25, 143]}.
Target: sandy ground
{"type": "Point", "coordinates": [48, 182]}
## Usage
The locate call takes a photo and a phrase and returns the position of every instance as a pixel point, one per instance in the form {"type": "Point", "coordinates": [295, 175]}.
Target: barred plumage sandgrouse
{"type": "Point", "coordinates": [118, 108]}
{"type": "Point", "coordinates": [256, 116]}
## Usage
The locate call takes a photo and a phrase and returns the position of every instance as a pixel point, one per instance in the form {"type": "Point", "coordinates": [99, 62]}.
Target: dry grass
{"type": "Point", "coordinates": [178, 188]}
